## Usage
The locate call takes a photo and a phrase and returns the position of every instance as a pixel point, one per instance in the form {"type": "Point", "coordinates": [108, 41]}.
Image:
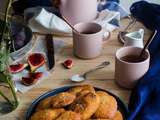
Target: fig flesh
{"type": "Point", "coordinates": [32, 79]}
{"type": "Point", "coordinates": [17, 68]}
{"type": "Point", "coordinates": [68, 64]}
{"type": "Point", "coordinates": [36, 60]}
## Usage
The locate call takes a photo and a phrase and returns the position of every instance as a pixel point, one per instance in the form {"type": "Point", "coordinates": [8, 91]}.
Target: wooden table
{"type": "Point", "coordinates": [103, 78]}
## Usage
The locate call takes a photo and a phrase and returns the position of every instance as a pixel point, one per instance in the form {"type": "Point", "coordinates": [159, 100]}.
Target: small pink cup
{"type": "Point", "coordinates": [128, 73]}
{"type": "Point", "coordinates": [88, 43]}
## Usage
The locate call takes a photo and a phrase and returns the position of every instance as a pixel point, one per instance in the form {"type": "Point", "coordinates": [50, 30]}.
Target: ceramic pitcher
{"type": "Point", "coordinates": [134, 38]}
{"type": "Point", "coordinates": [76, 11]}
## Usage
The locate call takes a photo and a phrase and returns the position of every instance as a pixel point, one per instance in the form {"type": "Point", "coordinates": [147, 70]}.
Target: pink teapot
{"type": "Point", "coordinates": [76, 11]}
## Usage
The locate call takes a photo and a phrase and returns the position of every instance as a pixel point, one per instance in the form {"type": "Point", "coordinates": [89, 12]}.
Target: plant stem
{"type": "Point", "coordinates": [9, 16]}
{"type": "Point", "coordinates": [6, 19]}
{"type": "Point", "coordinates": [1, 93]}
{"type": "Point", "coordinates": [6, 86]}
{"type": "Point", "coordinates": [13, 91]}
{"type": "Point", "coordinates": [5, 30]}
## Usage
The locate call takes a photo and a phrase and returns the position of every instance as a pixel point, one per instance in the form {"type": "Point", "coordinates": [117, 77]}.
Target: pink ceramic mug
{"type": "Point", "coordinates": [88, 43]}
{"type": "Point", "coordinates": [76, 11]}
{"type": "Point", "coordinates": [127, 69]}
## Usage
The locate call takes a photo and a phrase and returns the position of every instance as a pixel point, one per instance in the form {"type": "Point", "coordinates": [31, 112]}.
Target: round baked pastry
{"type": "Point", "coordinates": [69, 115]}
{"type": "Point", "coordinates": [47, 114]}
{"type": "Point", "coordinates": [62, 99]}
{"type": "Point", "coordinates": [107, 107]}
{"type": "Point", "coordinates": [44, 104]}
{"type": "Point", "coordinates": [86, 106]}
{"type": "Point", "coordinates": [118, 116]}
{"type": "Point", "coordinates": [99, 119]}
{"type": "Point", "coordinates": [78, 89]}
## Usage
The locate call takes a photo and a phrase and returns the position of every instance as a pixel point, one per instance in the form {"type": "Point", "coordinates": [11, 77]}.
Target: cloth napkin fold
{"type": "Point", "coordinates": [145, 98]}
{"type": "Point", "coordinates": [44, 21]}
{"type": "Point", "coordinates": [39, 46]}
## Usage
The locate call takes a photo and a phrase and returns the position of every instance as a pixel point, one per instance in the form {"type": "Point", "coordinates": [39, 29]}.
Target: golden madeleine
{"type": "Point", "coordinates": [86, 106]}
{"type": "Point", "coordinates": [81, 94]}
{"type": "Point", "coordinates": [99, 119]}
{"type": "Point", "coordinates": [118, 116]}
{"type": "Point", "coordinates": [107, 107]}
{"type": "Point", "coordinates": [62, 99]}
{"type": "Point", "coordinates": [69, 115]}
{"type": "Point", "coordinates": [47, 114]}
{"type": "Point", "coordinates": [78, 89]}
{"type": "Point", "coordinates": [44, 104]}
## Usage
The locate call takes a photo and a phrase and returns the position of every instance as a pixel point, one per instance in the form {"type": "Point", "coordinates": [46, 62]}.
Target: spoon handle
{"type": "Point", "coordinates": [102, 65]}
{"type": "Point", "coordinates": [148, 42]}
{"type": "Point", "coordinates": [131, 23]}
{"type": "Point", "coordinates": [69, 24]}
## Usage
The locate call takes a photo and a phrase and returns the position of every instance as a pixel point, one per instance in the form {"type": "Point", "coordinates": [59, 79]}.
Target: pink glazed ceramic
{"type": "Point", "coordinates": [76, 11]}
{"type": "Point", "coordinates": [127, 73]}
{"type": "Point", "coordinates": [87, 43]}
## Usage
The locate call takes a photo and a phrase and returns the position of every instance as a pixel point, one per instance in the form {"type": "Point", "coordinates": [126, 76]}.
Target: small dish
{"type": "Point", "coordinates": [19, 32]}
{"type": "Point", "coordinates": [121, 106]}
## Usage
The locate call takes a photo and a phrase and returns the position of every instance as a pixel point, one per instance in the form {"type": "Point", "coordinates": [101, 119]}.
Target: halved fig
{"type": "Point", "coordinates": [36, 60]}
{"type": "Point", "coordinates": [68, 64]}
{"type": "Point", "coordinates": [32, 79]}
{"type": "Point", "coordinates": [17, 68]}
{"type": "Point", "coordinates": [36, 75]}
{"type": "Point", "coordinates": [28, 81]}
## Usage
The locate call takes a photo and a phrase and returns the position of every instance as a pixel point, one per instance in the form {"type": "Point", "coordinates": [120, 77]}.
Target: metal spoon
{"type": "Point", "coordinates": [148, 43]}
{"type": "Point", "coordinates": [121, 34]}
{"type": "Point", "coordinates": [80, 78]}
{"type": "Point", "coordinates": [70, 24]}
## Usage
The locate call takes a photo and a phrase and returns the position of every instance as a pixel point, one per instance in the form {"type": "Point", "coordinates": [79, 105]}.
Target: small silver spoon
{"type": "Point", "coordinates": [148, 43]}
{"type": "Point", "coordinates": [80, 78]}
{"type": "Point", "coordinates": [121, 34]}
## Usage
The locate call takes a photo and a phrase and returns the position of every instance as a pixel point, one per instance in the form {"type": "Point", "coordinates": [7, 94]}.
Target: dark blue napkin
{"type": "Point", "coordinates": [144, 102]}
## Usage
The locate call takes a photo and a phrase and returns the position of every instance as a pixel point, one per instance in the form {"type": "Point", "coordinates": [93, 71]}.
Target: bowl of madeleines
{"type": "Point", "coordinates": [82, 102]}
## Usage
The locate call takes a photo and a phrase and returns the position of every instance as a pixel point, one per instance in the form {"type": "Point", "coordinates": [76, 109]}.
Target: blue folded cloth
{"type": "Point", "coordinates": [144, 102]}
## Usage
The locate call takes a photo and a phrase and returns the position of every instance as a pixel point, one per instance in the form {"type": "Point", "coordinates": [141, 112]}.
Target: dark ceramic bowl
{"type": "Point", "coordinates": [22, 37]}
{"type": "Point", "coordinates": [121, 107]}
